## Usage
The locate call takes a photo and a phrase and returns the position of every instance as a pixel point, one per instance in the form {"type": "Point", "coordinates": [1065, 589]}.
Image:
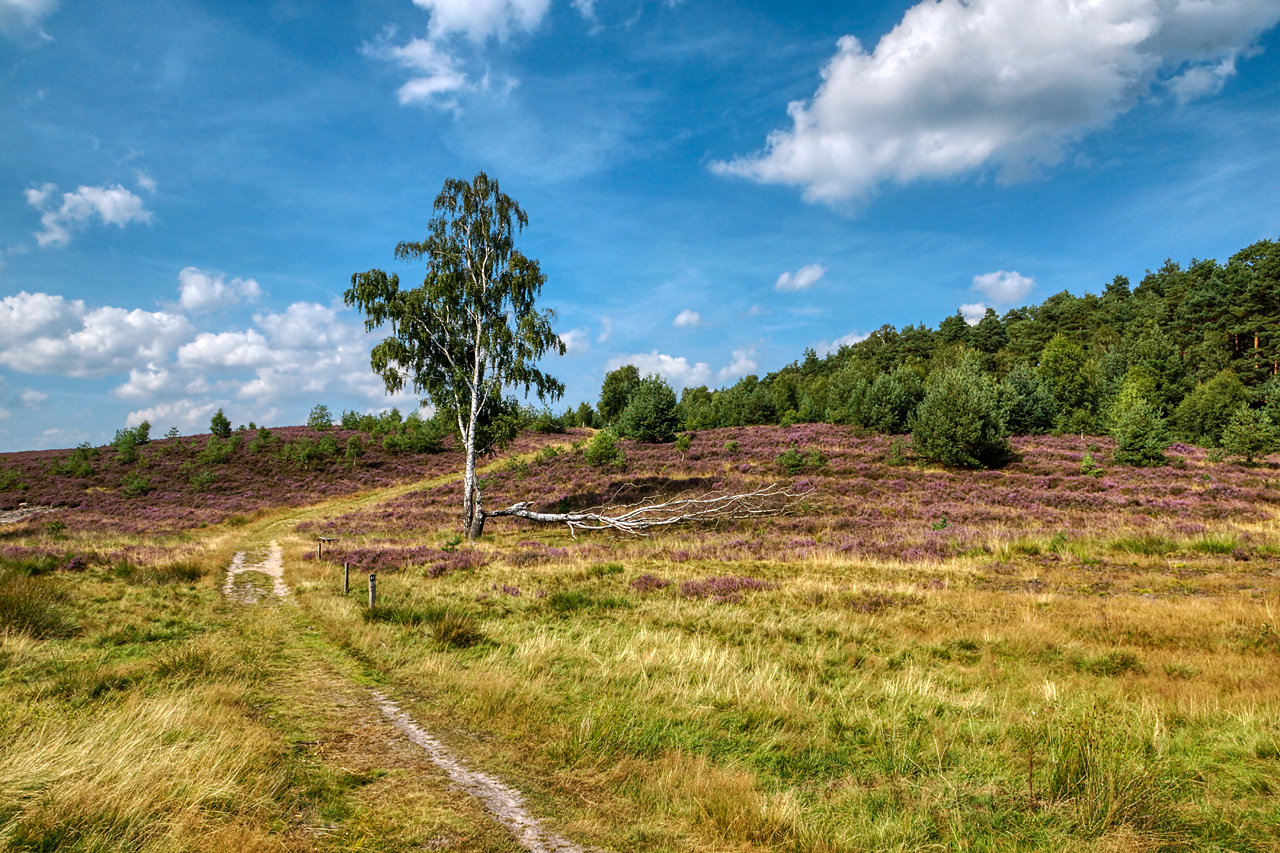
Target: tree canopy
{"type": "Point", "coordinates": [472, 329]}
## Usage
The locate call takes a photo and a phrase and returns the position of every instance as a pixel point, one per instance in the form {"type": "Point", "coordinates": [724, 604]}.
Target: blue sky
{"type": "Point", "coordinates": [188, 186]}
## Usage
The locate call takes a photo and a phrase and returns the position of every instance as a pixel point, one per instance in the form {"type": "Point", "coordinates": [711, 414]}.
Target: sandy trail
{"type": "Point", "coordinates": [272, 566]}
{"type": "Point", "coordinates": [506, 804]}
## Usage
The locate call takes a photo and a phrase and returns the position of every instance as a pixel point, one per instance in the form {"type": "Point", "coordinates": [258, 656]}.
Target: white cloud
{"type": "Point", "coordinates": [678, 371]}
{"type": "Point", "coordinates": [744, 362]}
{"type": "Point", "coordinates": [203, 291]}
{"type": "Point", "coordinates": [48, 334]}
{"type": "Point", "coordinates": [804, 278]}
{"type": "Point", "coordinates": [227, 350]}
{"type": "Point", "coordinates": [191, 414]}
{"type": "Point", "coordinates": [22, 16]}
{"type": "Point", "coordinates": [437, 79]}
{"type": "Point", "coordinates": [848, 340]}
{"type": "Point", "coordinates": [481, 19]}
{"type": "Point", "coordinates": [1003, 288]}
{"type": "Point", "coordinates": [958, 87]}
{"type": "Point", "coordinates": [587, 9]}
{"type": "Point", "coordinates": [576, 341]}
{"type": "Point", "coordinates": [606, 330]}
{"type": "Point", "coordinates": [113, 205]}
{"type": "Point", "coordinates": [145, 181]}
{"type": "Point", "coordinates": [33, 398]}
{"type": "Point", "coordinates": [973, 312]}
{"type": "Point", "coordinates": [686, 318]}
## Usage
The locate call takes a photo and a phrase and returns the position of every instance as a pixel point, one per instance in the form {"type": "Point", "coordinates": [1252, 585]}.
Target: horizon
{"type": "Point", "coordinates": [712, 188]}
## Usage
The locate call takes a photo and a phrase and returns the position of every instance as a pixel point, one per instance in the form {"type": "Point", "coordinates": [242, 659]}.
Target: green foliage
{"type": "Point", "coordinates": [262, 441]}
{"type": "Point", "coordinates": [793, 461]}
{"type": "Point", "coordinates": [546, 423]}
{"type": "Point", "coordinates": [34, 604]}
{"type": "Point", "coordinates": [683, 442]}
{"type": "Point", "coordinates": [1139, 430]}
{"type": "Point", "coordinates": [1088, 466]}
{"type": "Point", "coordinates": [1249, 434]}
{"type": "Point", "coordinates": [78, 463]}
{"type": "Point", "coordinates": [10, 480]}
{"type": "Point", "coordinates": [960, 421]}
{"type": "Point", "coordinates": [354, 450]}
{"type": "Point", "coordinates": [218, 451]}
{"type": "Point", "coordinates": [890, 400]}
{"type": "Point", "coordinates": [616, 392]}
{"type": "Point", "coordinates": [172, 433]}
{"type": "Point", "coordinates": [1029, 406]}
{"type": "Point", "coordinates": [604, 450]}
{"type": "Point", "coordinates": [201, 479]}
{"type": "Point", "coordinates": [135, 485]}
{"type": "Point", "coordinates": [650, 416]}
{"type": "Point", "coordinates": [127, 442]}
{"type": "Point", "coordinates": [1203, 414]}
{"type": "Point", "coordinates": [1069, 376]}
{"type": "Point", "coordinates": [320, 418]}
{"type": "Point", "coordinates": [219, 425]}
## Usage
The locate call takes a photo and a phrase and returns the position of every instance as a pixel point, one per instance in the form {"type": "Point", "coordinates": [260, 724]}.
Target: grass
{"type": "Point", "coordinates": [1102, 687]}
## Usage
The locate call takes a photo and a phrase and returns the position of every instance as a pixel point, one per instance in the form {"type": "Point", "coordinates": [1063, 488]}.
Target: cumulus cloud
{"type": "Point", "coordinates": [678, 371]}
{"type": "Point", "coordinates": [1003, 288]}
{"type": "Point", "coordinates": [18, 17]}
{"type": "Point", "coordinates": [803, 279]}
{"type": "Point", "coordinates": [113, 205]}
{"type": "Point", "coordinates": [961, 87]}
{"type": "Point", "coordinates": [49, 334]}
{"type": "Point", "coordinates": [204, 291]}
{"type": "Point", "coordinates": [686, 318]}
{"type": "Point", "coordinates": [191, 414]}
{"type": "Point", "coordinates": [481, 19]}
{"type": "Point", "coordinates": [576, 341]}
{"type": "Point", "coordinates": [33, 398]}
{"type": "Point", "coordinates": [973, 312]}
{"type": "Point", "coordinates": [827, 347]}
{"type": "Point", "coordinates": [744, 362]}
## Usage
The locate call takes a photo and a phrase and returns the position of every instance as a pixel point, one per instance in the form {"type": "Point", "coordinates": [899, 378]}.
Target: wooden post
{"type": "Point", "coordinates": [319, 548]}
{"type": "Point", "coordinates": [346, 578]}
{"type": "Point", "coordinates": [373, 589]}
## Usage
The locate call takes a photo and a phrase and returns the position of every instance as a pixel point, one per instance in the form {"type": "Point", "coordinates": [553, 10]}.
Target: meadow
{"type": "Point", "coordinates": [1061, 652]}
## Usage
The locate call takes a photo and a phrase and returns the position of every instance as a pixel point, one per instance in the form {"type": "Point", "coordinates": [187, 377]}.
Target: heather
{"type": "Point", "coordinates": [180, 483]}
{"type": "Point", "coordinates": [855, 503]}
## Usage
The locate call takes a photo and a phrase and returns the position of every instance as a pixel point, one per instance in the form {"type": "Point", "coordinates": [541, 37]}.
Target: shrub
{"type": "Point", "coordinates": [792, 461]}
{"type": "Point", "coordinates": [127, 441]}
{"type": "Point", "coordinates": [78, 463]}
{"type": "Point", "coordinates": [1203, 415]}
{"type": "Point", "coordinates": [1029, 406]}
{"type": "Point", "coordinates": [262, 441]}
{"type": "Point", "coordinates": [650, 415]}
{"type": "Point", "coordinates": [604, 450]}
{"type": "Point", "coordinates": [1089, 467]}
{"type": "Point", "coordinates": [218, 451]}
{"type": "Point", "coordinates": [9, 480]}
{"type": "Point", "coordinates": [219, 425]}
{"type": "Point", "coordinates": [1250, 433]}
{"type": "Point", "coordinates": [135, 485]}
{"type": "Point", "coordinates": [683, 442]}
{"type": "Point", "coordinates": [320, 418]}
{"type": "Point", "coordinates": [1140, 432]}
{"type": "Point", "coordinates": [959, 422]}
{"type": "Point", "coordinates": [354, 450]}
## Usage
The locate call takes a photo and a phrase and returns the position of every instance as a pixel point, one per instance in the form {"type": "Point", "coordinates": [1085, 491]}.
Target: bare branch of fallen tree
{"type": "Point", "coordinates": [639, 518]}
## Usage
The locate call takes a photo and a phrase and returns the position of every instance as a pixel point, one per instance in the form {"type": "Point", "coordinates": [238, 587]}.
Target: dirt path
{"type": "Point", "coordinates": [503, 803]}
{"type": "Point", "coordinates": [248, 592]}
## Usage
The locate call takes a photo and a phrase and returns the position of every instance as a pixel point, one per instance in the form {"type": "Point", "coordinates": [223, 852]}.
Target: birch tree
{"type": "Point", "coordinates": [472, 330]}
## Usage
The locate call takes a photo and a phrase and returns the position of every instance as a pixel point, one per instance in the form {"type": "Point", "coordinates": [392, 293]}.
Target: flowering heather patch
{"type": "Point", "coordinates": [190, 487]}
{"type": "Point", "coordinates": [649, 583]}
{"type": "Point", "coordinates": [722, 589]}
{"type": "Point", "coordinates": [858, 505]}
{"type": "Point", "coordinates": [437, 562]}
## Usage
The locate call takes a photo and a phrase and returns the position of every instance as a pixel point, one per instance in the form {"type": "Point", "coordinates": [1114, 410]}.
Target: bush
{"type": "Point", "coordinates": [794, 462]}
{"type": "Point", "coordinates": [262, 441]}
{"type": "Point", "coordinates": [135, 486]}
{"type": "Point", "coordinates": [9, 480]}
{"type": "Point", "coordinates": [615, 393]}
{"type": "Point", "coordinates": [320, 418]}
{"type": "Point", "coordinates": [960, 421]}
{"type": "Point", "coordinates": [78, 463]}
{"type": "Point", "coordinates": [604, 450]}
{"type": "Point", "coordinates": [889, 402]}
{"type": "Point", "coordinates": [683, 442]}
{"type": "Point", "coordinates": [127, 441]}
{"type": "Point", "coordinates": [1250, 434]}
{"type": "Point", "coordinates": [219, 425]}
{"type": "Point", "coordinates": [650, 415]}
{"type": "Point", "coordinates": [1203, 415]}
{"type": "Point", "coordinates": [1140, 432]}
{"type": "Point", "coordinates": [354, 450]}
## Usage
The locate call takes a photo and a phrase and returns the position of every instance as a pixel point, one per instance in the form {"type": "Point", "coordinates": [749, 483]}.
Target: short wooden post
{"type": "Point", "coordinates": [320, 545]}
{"type": "Point", "coordinates": [373, 589]}
{"type": "Point", "coordinates": [346, 578]}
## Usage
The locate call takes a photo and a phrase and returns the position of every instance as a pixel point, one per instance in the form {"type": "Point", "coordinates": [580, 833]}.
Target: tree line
{"type": "Point", "coordinates": [1183, 356]}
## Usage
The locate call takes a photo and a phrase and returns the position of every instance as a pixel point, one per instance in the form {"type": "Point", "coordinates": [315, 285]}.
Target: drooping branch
{"type": "Point", "coordinates": [639, 518]}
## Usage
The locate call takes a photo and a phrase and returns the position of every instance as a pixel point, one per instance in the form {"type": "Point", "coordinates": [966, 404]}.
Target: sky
{"type": "Point", "coordinates": [712, 187]}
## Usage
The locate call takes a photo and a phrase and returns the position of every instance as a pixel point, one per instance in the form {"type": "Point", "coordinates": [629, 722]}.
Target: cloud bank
{"type": "Point", "coordinates": [1005, 85]}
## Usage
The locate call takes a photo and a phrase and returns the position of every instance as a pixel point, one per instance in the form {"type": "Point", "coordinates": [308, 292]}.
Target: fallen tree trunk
{"type": "Point", "coordinates": [638, 519]}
